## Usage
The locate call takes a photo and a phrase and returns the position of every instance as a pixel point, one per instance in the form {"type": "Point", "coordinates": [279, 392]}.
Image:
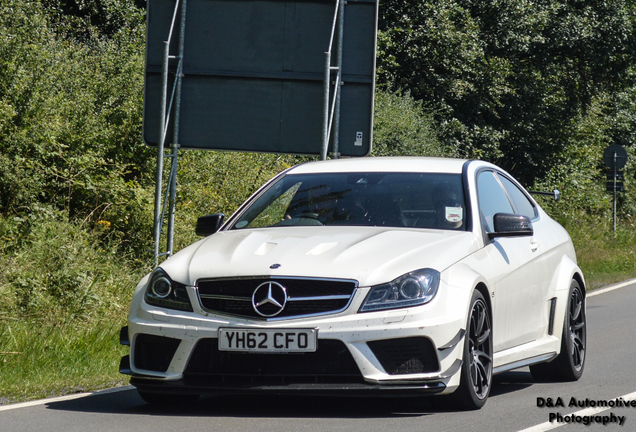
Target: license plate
{"type": "Point", "coordinates": [268, 340]}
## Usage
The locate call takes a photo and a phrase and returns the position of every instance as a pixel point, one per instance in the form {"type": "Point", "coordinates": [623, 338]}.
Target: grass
{"type": "Point", "coordinates": [63, 298]}
{"type": "Point", "coordinates": [604, 256]}
{"type": "Point", "coordinates": [40, 361]}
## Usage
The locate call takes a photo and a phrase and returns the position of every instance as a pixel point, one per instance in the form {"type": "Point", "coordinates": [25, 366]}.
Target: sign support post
{"type": "Point", "coordinates": [615, 158]}
{"type": "Point", "coordinates": [165, 110]}
{"type": "Point", "coordinates": [172, 185]}
{"type": "Point", "coordinates": [333, 117]}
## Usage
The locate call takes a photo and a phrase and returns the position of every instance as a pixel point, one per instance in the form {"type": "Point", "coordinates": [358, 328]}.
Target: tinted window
{"type": "Point", "coordinates": [523, 205]}
{"type": "Point", "coordinates": [492, 198]}
{"type": "Point", "coordinates": [419, 200]}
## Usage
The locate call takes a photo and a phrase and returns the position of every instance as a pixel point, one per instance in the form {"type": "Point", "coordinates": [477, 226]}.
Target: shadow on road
{"type": "Point", "coordinates": [127, 401]}
{"type": "Point", "coordinates": [508, 382]}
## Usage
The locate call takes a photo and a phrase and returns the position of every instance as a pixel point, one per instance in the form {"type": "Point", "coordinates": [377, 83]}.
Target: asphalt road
{"type": "Point", "coordinates": [513, 404]}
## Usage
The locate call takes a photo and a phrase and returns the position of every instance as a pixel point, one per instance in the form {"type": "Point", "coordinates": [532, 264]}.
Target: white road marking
{"type": "Point", "coordinates": [584, 412]}
{"type": "Point", "coordinates": [611, 288]}
{"type": "Point", "coordinates": [61, 398]}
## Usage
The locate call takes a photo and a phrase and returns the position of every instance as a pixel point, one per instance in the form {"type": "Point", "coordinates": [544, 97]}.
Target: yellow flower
{"type": "Point", "coordinates": [104, 223]}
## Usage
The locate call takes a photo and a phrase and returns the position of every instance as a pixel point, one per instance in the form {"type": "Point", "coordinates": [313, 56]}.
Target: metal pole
{"type": "Point", "coordinates": [160, 149]}
{"type": "Point", "coordinates": [175, 136]}
{"type": "Point", "coordinates": [326, 118]}
{"type": "Point", "coordinates": [325, 102]}
{"type": "Point", "coordinates": [336, 126]}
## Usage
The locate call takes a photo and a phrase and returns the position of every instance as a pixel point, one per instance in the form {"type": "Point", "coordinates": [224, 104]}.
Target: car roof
{"type": "Point", "coordinates": [382, 164]}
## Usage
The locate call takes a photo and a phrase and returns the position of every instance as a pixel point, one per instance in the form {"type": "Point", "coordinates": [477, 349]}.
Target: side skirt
{"type": "Point", "coordinates": [525, 362]}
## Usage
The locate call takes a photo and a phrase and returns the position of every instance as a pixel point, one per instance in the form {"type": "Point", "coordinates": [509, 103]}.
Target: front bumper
{"type": "Point", "coordinates": [348, 381]}
{"type": "Point", "coordinates": [391, 353]}
{"type": "Point", "coordinates": [198, 386]}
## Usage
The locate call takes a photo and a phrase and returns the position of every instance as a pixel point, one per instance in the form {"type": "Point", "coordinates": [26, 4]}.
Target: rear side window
{"type": "Point", "coordinates": [492, 198]}
{"type": "Point", "coordinates": [523, 205]}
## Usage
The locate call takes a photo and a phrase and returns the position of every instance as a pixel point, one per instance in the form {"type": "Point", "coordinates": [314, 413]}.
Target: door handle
{"type": "Point", "coordinates": [534, 245]}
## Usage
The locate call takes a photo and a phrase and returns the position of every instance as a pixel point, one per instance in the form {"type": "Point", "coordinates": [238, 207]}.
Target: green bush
{"type": "Point", "coordinates": [59, 272]}
{"type": "Point", "coordinates": [40, 361]}
{"type": "Point", "coordinates": [580, 173]}
{"type": "Point", "coordinates": [401, 128]}
{"type": "Point", "coordinates": [505, 79]}
{"type": "Point", "coordinates": [70, 121]}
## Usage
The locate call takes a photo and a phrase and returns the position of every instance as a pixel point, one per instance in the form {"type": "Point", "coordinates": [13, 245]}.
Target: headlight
{"type": "Point", "coordinates": [412, 289]}
{"type": "Point", "coordinates": [163, 292]}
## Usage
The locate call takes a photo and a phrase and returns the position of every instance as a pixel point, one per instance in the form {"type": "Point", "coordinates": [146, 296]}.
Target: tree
{"type": "Point", "coordinates": [506, 79]}
{"type": "Point", "coordinates": [400, 128]}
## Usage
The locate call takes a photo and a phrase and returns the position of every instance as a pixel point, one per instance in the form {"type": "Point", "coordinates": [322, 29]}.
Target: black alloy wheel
{"type": "Point", "coordinates": [476, 374]}
{"type": "Point", "coordinates": [577, 329]}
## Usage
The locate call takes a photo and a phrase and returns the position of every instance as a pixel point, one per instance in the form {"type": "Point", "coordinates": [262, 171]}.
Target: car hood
{"type": "Point", "coordinates": [370, 255]}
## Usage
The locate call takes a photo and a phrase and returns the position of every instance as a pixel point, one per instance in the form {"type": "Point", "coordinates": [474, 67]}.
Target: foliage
{"type": "Point", "coordinates": [400, 127]}
{"type": "Point", "coordinates": [70, 122]}
{"type": "Point", "coordinates": [507, 79]}
{"type": "Point", "coordinates": [75, 186]}
{"type": "Point", "coordinates": [580, 173]}
{"type": "Point", "coordinates": [44, 361]}
{"type": "Point", "coordinates": [63, 298]}
{"type": "Point", "coordinates": [59, 272]}
{"type": "Point", "coordinates": [86, 20]}
{"type": "Point", "coordinates": [605, 256]}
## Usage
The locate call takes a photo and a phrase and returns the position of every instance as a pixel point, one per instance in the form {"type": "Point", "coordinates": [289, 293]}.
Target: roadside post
{"type": "Point", "coordinates": [615, 158]}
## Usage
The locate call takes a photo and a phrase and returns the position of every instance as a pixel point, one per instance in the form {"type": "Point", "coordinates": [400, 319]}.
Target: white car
{"type": "Point", "coordinates": [367, 276]}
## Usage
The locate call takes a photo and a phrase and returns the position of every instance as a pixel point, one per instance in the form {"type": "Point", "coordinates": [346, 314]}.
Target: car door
{"type": "Point", "coordinates": [544, 257]}
{"type": "Point", "coordinates": [517, 274]}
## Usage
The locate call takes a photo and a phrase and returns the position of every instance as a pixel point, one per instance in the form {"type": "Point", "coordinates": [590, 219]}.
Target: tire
{"type": "Point", "coordinates": [569, 364]}
{"type": "Point", "coordinates": [476, 372]}
{"type": "Point", "coordinates": [168, 400]}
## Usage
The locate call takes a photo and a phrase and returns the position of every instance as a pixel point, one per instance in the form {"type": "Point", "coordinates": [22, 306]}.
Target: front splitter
{"type": "Point", "coordinates": [202, 386]}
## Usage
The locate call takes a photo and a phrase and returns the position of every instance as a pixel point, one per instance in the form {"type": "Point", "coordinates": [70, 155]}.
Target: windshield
{"type": "Point", "coordinates": [421, 200]}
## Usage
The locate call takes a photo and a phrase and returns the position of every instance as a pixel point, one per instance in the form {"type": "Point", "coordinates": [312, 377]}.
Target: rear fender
{"type": "Point", "coordinates": [561, 280]}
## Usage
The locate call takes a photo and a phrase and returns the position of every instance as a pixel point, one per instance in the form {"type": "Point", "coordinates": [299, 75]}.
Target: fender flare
{"type": "Point", "coordinates": [567, 271]}
{"type": "Point", "coordinates": [464, 279]}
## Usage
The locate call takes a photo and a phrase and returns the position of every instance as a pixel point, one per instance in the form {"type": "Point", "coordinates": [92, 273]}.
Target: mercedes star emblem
{"type": "Point", "coordinates": [269, 299]}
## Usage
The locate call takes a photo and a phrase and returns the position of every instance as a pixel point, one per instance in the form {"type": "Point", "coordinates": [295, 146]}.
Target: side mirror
{"type": "Point", "coordinates": [209, 224]}
{"type": "Point", "coordinates": [511, 225]}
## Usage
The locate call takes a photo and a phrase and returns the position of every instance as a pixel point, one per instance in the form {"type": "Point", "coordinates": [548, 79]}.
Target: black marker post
{"type": "Point", "coordinates": [615, 158]}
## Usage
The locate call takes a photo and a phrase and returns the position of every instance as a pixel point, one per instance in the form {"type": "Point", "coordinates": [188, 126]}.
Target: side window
{"type": "Point", "coordinates": [492, 198]}
{"type": "Point", "coordinates": [522, 203]}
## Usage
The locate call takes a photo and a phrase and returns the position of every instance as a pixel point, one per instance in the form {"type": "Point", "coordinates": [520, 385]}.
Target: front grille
{"type": "Point", "coordinates": [406, 355]}
{"type": "Point", "coordinates": [154, 352]}
{"type": "Point", "coordinates": [330, 363]}
{"type": "Point", "coordinates": [305, 296]}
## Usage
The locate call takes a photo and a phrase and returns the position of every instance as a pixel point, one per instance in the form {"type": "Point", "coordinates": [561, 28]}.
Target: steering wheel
{"type": "Point", "coordinates": [313, 217]}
